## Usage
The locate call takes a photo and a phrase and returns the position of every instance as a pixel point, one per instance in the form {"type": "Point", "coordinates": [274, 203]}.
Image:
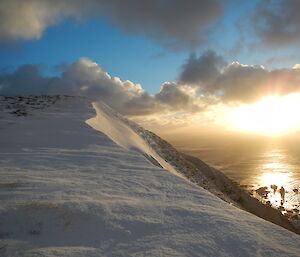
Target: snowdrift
{"type": "Point", "coordinates": [67, 189]}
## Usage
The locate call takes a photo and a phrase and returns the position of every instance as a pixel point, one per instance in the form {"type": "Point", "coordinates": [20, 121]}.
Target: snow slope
{"type": "Point", "coordinates": [159, 152]}
{"type": "Point", "coordinates": [67, 189]}
{"type": "Point", "coordinates": [112, 125]}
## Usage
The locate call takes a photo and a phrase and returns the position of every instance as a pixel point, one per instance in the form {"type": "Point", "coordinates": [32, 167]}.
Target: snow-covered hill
{"type": "Point", "coordinates": [67, 189]}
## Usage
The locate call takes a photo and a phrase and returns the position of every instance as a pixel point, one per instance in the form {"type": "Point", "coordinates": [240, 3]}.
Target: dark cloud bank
{"type": "Point", "coordinates": [278, 22]}
{"type": "Point", "coordinates": [171, 22]}
{"type": "Point", "coordinates": [175, 23]}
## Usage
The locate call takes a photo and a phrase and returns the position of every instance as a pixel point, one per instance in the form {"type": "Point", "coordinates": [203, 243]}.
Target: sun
{"type": "Point", "coordinates": [272, 115]}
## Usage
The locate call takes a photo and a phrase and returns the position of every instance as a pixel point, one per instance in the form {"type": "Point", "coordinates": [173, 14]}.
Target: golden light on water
{"type": "Point", "coordinates": [275, 174]}
{"type": "Point", "coordinates": [279, 179]}
{"type": "Point", "coordinates": [273, 115]}
{"type": "Point", "coordinates": [274, 166]}
{"type": "Point", "coordinates": [275, 170]}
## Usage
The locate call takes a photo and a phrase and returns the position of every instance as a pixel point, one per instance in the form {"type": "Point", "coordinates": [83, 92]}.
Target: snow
{"type": "Point", "coordinates": [67, 189]}
{"type": "Point", "coordinates": [115, 127]}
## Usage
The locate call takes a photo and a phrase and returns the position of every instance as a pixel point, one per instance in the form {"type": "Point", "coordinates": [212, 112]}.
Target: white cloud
{"type": "Point", "coordinates": [87, 78]}
{"type": "Point", "coordinates": [175, 103]}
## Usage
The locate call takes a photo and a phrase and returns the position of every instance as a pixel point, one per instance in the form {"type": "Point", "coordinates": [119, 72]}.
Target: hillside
{"type": "Point", "coordinates": [68, 189]}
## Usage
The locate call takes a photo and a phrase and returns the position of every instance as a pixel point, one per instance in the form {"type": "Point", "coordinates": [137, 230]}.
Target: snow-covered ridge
{"type": "Point", "coordinates": [67, 189]}
{"type": "Point", "coordinates": [117, 128]}
{"type": "Point", "coordinates": [159, 152]}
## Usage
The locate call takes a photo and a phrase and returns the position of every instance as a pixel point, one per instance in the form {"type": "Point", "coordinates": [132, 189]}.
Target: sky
{"type": "Point", "coordinates": [170, 62]}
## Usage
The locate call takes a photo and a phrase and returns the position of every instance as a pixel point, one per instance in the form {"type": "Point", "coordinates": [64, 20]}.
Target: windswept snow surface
{"type": "Point", "coordinates": [115, 127]}
{"type": "Point", "coordinates": [67, 189]}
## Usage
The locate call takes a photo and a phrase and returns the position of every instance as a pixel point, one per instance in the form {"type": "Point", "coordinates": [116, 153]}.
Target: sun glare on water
{"type": "Point", "coordinates": [273, 115]}
{"type": "Point", "coordinates": [278, 179]}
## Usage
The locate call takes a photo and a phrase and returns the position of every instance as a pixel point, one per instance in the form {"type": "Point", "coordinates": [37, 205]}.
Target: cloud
{"type": "Point", "coordinates": [239, 83]}
{"type": "Point", "coordinates": [173, 22]}
{"type": "Point", "coordinates": [235, 82]}
{"type": "Point", "coordinates": [197, 100]}
{"type": "Point", "coordinates": [27, 79]}
{"type": "Point", "coordinates": [278, 22]}
{"type": "Point", "coordinates": [179, 97]}
{"type": "Point", "coordinates": [210, 83]}
{"type": "Point", "coordinates": [87, 78]}
{"type": "Point", "coordinates": [247, 84]}
{"type": "Point", "coordinates": [27, 20]}
{"type": "Point", "coordinates": [203, 69]}
{"type": "Point", "coordinates": [171, 94]}
{"type": "Point", "coordinates": [169, 22]}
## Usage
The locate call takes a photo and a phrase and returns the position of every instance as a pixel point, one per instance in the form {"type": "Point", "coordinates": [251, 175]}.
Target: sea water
{"type": "Point", "coordinates": [255, 162]}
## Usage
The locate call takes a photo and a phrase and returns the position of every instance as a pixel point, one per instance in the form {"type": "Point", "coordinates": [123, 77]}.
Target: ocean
{"type": "Point", "coordinates": [253, 161]}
